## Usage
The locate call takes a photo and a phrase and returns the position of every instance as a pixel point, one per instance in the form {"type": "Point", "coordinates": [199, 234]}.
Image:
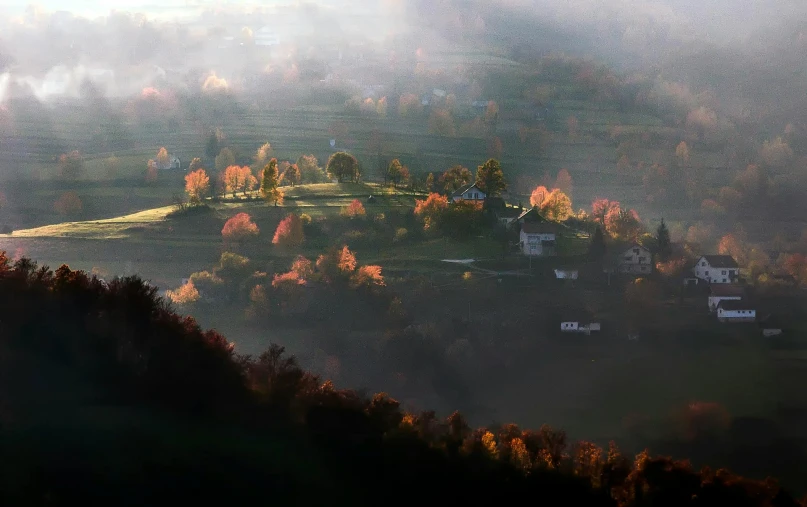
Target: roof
{"type": "Point", "coordinates": [720, 261]}
{"type": "Point", "coordinates": [735, 305]}
{"type": "Point", "coordinates": [624, 250]}
{"type": "Point", "coordinates": [508, 212]}
{"type": "Point", "coordinates": [533, 215]}
{"type": "Point", "coordinates": [540, 228]}
{"type": "Point", "coordinates": [495, 203]}
{"type": "Point", "coordinates": [463, 189]}
{"type": "Point", "coordinates": [726, 290]}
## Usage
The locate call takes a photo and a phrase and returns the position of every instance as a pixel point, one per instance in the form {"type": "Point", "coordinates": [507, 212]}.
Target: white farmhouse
{"type": "Point", "coordinates": [719, 293]}
{"type": "Point", "coordinates": [538, 239]}
{"type": "Point", "coordinates": [717, 269]}
{"type": "Point", "coordinates": [469, 193]}
{"type": "Point", "coordinates": [736, 311]}
{"type": "Point", "coordinates": [566, 274]}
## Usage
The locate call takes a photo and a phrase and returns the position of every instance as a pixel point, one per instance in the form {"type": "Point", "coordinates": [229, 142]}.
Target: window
{"type": "Point", "coordinates": [635, 251]}
{"type": "Point", "coordinates": [703, 263]}
{"type": "Point", "coordinates": [724, 280]}
{"type": "Point", "coordinates": [724, 272]}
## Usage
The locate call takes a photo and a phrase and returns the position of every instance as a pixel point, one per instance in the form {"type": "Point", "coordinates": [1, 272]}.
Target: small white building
{"type": "Point", "coordinates": [577, 327]}
{"type": "Point", "coordinates": [736, 311]}
{"type": "Point", "coordinates": [717, 269]}
{"type": "Point", "coordinates": [538, 239]}
{"type": "Point", "coordinates": [173, 164]}
{"type": "Point", "coordinates": [566, 274]}
{"type": "Point", "coordinates": [721, 292]}
{"type": "Point", "coordinates": [469, 193]}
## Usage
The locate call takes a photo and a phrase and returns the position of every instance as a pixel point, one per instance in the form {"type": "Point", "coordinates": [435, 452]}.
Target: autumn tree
{"type": "Point", "coordinates": [490, 178]}
{"type": "Point", "coordinates": [454, 178]}
{"type": "Point", "coordinates": [187, 294]}
{"type": "Point", "coordinates": [431, 210]}
{"type": "Point", "coordinates": [682, 154]}
{"type": "Point", "coordinates": [71, 165]}
{"type": "Point", "coordinates": [538, 196]}
{"type": "Point", "coordinates": [197, 185]}
{"type": "Point", "coordinates": [409, 104]}
{"type": "Point", "coordinates": [338, 264]}
{"type": "Point", "coordinates": [303, 267]}
{"type": "Point", "coordinates": [731, 245]}
{"type": "Point", "coordinates": [441, 123]}
{"type": "Point", "coordinates": [68, 203]}
{"type": "Point", "coordinates": [343, 166]}
{"type": "Point", "coordinates": [163, 160]}
{"type": "Point", "coordinates": [354, 210]}
{"type": "Point", "coordinates": [429, 182]}
{"type": "Point", "coordinates": [239, 228]}
{"type": "Point", "coordinates": [263, 155]}
{"type": "Point", "coordinates": [557, 206]}
{"type": "Point", "coordinates": [776, 152]}
{"type": "Point", "coordinates": [600, 209]}
{"type": "Point", "coordinates": [367, 277]}
{"type": "Point", "coordinates": [233, 179]}
{"type": "Point", "coordinates": [310, 171]}
{"type": "Point", "coordinates": [270, 183]}
{"type": "Point", "coordinates": [663, 242]}
{"type": "Point", "coordinates": [248, 181]}
{"type": "Point", "coordinates": [224, 159]}
{"type": "Point", "coordinates": [564, 182]}
{"type": "Point", "coordinates": [289, 232]}
{"type": "Point", "coordinates": [623, 224]}
{"type": "Point", "coordinates": [292, 175]}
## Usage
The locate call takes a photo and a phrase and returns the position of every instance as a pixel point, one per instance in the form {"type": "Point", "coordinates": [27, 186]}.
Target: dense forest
{"type": "Point", "coordinates": [108, 395]}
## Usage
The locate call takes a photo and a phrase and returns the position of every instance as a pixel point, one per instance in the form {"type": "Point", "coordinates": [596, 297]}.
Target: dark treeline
{"type": "Point", "coordinates": [108, 395]}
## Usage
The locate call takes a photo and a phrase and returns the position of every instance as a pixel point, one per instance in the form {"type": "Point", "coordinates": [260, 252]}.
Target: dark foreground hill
{"type": "Point", "coordinates": [108, 397]}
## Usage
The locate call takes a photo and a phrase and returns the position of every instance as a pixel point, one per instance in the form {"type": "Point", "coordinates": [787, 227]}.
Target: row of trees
{"type": "Point", "coordinates": [129, 347]}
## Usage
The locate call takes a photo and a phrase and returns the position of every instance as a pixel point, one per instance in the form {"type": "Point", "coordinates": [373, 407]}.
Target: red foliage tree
{"type": "Point", "coordinates": [600, 209]}
{"type": "Point", "coordinates": [239, 228]}
{"type": "Point", "coordinates": [289, 232]}
{"type": "Point", "coordinates": [367, 276]}
{"type": "Point", "coordinates": [354, 210]}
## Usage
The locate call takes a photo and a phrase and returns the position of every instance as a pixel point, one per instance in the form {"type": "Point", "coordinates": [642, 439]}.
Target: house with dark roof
{"type": "Point", "coordinates": [529, 215]}
{"type": "Point", "coordinates": [539, 239]}
{"type": "Point", "coordinates": [724, 292]}
{"type": "Point", "coordinates": [717, 269]}
{"type": "Point", "coordinates": [469, 193]}
{"type": "Point", "coordinates": [736, 311]}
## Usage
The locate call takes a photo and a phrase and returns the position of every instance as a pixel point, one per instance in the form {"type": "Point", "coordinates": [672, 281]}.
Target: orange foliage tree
{"type": "Point", "coordinates": [162, 157]}
{"type": "Point", "coordinates": [557, 206]}
{"type": "Point", "coordinates": [731, 245]}
{"type": "Point", "coordinates": [197, 184]}
{"type": "Point", "coordinates": [239, 228]}
{"type": "Point", "coordinates": [354, 210]}
{"type": "Point", "coordinates": [68, 203]}
{"type": "Point", "coordinates": [600, 209]}
{"type": "Point", "coordinates": [289, 232]}
{"type": "Point", "coordinates": [368, 277]}
{"type": "Point", "coordinates": [303, 267]}
{"type": "Point", "coordinates": [538, 196]}
{"type": "Point", "coordinates": [337, 264]}
{"type": "Point", "coordinates": [431, 209]}
{"type": "Point", "coordinates": [238, 179]}
{"type": "Point", "coordinates": [185, 295]}
{"type": "Point", "coordinates": [623, 224]}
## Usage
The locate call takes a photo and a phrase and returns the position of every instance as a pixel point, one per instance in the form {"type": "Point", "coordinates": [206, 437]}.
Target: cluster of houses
{"type": "Point", "coordinates": [727, 298]}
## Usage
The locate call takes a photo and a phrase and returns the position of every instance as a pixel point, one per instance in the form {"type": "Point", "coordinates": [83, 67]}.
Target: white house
{"type": "Point", "coordinates": [719, 293]}
{"type": "Point", "coordinates": [469, 193]}
{"type": "Point", "coordinates": [636, 260]}
{"type": "Point", "coordinates": [173, 163]}
{"type": "Point", "coordinates": [538, 239]}
{"type": "Point", "coordinates": [736, 311]}
{"type": "Point", "coordinates": [566, 274]}
{"type": "Point", "coordinates": [717, 269]}
{"type": "Point", "coordinates": [577, 327]}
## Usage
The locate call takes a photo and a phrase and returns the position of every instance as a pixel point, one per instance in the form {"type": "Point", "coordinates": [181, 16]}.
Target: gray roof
{"type": "Point", "coordinates": [735, 305]}
{"type": "Point", "coordinates": [721, 261]}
